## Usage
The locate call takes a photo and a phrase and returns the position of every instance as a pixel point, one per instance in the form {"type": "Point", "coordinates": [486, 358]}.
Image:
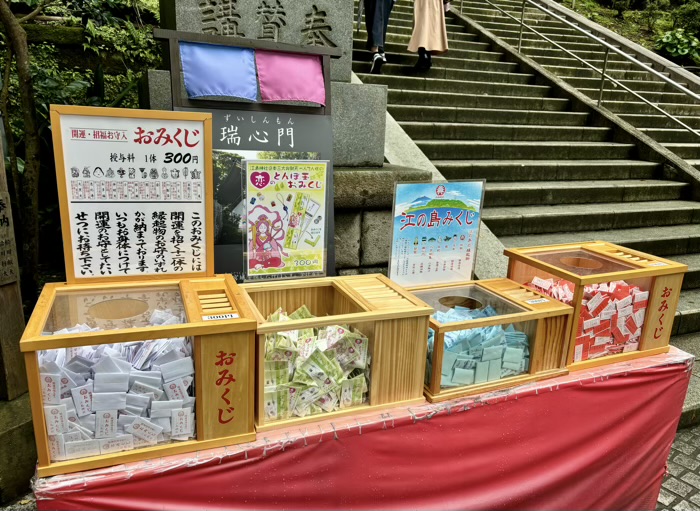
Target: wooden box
{"type": "Point", "coordinates": [514, 336]}
{"type": "Point", "coordinates": [393, 322]}
{"type": "Point", "coordinates": [216, 324]}
{"type": "Point", "coordinates": [624, 300]}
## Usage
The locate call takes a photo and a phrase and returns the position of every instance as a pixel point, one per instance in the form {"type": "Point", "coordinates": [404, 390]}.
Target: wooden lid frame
{"type": "Point", "coordinates": [644, 265]}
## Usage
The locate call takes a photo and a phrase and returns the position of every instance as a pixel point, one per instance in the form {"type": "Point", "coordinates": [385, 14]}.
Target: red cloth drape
{"type": "Point", "coordinates": [590, 440]}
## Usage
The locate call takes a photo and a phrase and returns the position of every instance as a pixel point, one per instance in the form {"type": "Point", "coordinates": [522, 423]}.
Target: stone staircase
{"type": "Point", "coordinates": [630, 108]}
{"type": "Point", "coordinates": [553, 176]}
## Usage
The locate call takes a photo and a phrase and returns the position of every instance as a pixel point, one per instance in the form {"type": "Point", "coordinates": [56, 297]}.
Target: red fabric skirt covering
{"type": "Point", "coordinates": [591, 440]}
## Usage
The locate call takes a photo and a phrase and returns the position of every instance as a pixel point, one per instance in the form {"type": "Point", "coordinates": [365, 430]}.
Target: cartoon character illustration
{"type": "Point", "coordinates": [110, 172]}
{"type": "Point", "coordinates": [266, 237]}
{"type": "Point", "coordinates": [75, 172]}
{"type": "Point", "coordinates": [154, 173]}
{"type": "Point", "coordinates": [164, 173]}
{"type": "Point", "coordinates": [132, 173]}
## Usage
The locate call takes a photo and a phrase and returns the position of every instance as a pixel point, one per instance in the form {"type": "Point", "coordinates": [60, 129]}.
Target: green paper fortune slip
{"type": "Point", "coordinates": [314, 371]}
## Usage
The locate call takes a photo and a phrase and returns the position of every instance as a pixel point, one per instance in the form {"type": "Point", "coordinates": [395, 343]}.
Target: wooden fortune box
{"type": "Point", "coordinates": [624, 300]}
{"type": "Point", "coordinates": [144, 352]}
{"type": "Point", "coordinates": [491, 334]}
{"type": "Point", "coordinates": [336, 346]}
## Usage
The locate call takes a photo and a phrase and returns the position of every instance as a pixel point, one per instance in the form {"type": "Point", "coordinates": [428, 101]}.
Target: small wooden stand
{"type": "Point", "coordinates": [661, 277]}
{"type": "Point", "coordinates": [545, 320]}
{"type": "Point", "coordinates": [395, 322]}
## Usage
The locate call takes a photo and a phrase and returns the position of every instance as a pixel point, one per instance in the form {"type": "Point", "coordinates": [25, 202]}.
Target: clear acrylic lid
{"type": "Point", "coordinates": [114, 309]}
{"type": "Point", "coordinates": [581, 262]}
{"type": "Point", "coordinates": [475, 298]}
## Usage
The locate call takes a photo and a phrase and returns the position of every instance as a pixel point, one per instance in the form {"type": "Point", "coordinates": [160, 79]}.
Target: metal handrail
{"type": "Point", "coordinates": [608, 48]}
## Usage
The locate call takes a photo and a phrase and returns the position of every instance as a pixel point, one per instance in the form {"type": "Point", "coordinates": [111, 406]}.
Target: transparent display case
{"type": "Point", "coordinates": [624, 301]}
{"type": "Point", "coordinates": [491, 334]}
{"type": "Point", "coordinates": [130, 371]}
{"type": "Point", "coordinates": [335, 346]}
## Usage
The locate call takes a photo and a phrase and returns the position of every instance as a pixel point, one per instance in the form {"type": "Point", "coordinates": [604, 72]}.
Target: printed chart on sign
{"type": "Point", "coordinates": [436, 227]}
{"type": "Point", "coordinates": [286, 218]}
{"type": "Point", "coordinates": [135, 195]}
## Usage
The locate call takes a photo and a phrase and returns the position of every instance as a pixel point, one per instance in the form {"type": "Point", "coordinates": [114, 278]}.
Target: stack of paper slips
{"type": "Point", "coordinates": [313, 370]}
{"type": "Point", "coordinates": [479, 355]}
{"type": "Point", "coordinates": [612, 315]}
{"type": "Point", "coordinates": [117, 397]}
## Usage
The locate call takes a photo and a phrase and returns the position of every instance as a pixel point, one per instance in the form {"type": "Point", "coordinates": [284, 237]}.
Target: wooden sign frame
{"type": "Point", "coordinates": [57, 111]}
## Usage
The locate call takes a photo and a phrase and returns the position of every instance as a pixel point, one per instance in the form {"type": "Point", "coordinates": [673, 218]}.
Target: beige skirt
{"type": "Point", "coordinates": [429, 29]}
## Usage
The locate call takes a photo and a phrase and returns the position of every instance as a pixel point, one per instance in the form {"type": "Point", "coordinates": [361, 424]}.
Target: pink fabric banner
{"type": "Point", "coordinates": [290, 77]}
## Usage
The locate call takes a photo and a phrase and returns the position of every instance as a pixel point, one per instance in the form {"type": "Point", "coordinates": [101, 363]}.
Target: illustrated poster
{"type": "Point", "coordinates": [435, 232]}
{"type": "Point", "coordinates": [285, 219]}
{"type": "Point", "coordinates": [135, 195]}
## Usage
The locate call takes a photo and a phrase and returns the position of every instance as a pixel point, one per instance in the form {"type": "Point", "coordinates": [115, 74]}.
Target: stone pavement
{"type": "Point", "coordinates": [680, 490]}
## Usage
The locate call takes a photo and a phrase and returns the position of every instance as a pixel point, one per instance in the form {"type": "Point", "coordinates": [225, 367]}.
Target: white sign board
{"type": "Point", "coordinates": [134, 187]}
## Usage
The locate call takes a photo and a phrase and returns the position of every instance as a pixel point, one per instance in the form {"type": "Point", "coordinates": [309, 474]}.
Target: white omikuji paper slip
{"type": "Point", "coordinates": [177, 369]}
{"type": "Point", "coordinates": [176, 390]}
{"type": "Point", "coordinates": [51, 388]}
{"type": "Point", "coordinates": [145, 430]}
{"type": "Point", "coordinates": [108, 401]}
{"type": "Point", "coordinates": [180, 422]}
{"type": "Point", "coordinates": [82, 449]}
{"type": "Point", "coordinates": [117, 444]}
{"type": "Point", "coordinates": [111, 382]}
{"type": "Point", "coordinates": [144, 388]}
{"type": "Point", "coordinates": [106, 424]}
{"type": "Point", "coordinates": [56, 419]}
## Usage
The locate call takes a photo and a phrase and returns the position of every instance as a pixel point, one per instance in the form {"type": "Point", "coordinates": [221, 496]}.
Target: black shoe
{"type": "Point", "coordinates": [424, 61]}
{"type": "Point", "coordinates": [377, 63]}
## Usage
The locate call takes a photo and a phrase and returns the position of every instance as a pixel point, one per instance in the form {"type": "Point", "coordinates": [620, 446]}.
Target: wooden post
{"type": "Point", "coordinates": [13, 382]}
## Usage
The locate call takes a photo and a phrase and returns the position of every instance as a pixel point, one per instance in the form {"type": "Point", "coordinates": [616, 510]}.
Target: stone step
{"type": "Point", "coordinates": [662, 241]}
{"type": "Point", "coordinates": [441, 85]}
{"type": "Point", "coordinates": [689, 151]}
{"type": "Point", "coordinates": [572, 62]}
{"type": "Point", "coordinates": [393, 33]}
{"type": "Point", "coordinates": [546, 170]}
{"type": "Point", "coordinates": [486, 115]}
{"type": "Point", "coordinates": [506, 132]}
{"type": "Point", "coordinates": [479, 100]}
{"type": "Point", "coordinates": [465, 42]}
{"type": "Point", "coordinates": [533, 17]}
{"type": "Point", "coordinates": [638, 107]}
{"type": "Point", "coordinates": [660, 121]}
{"type": "Point", "coordinates": [482, 60]}
{"type": "Point", "coordinates": [474, 51]}
{"type": "Point", "coordinates": [506, 24]}
{"type": "Point", "coordinates": [589, 54]}
{"type": "Point", "coordinates": [585, 74]}
{"type": "Point", "coordinates": [669, 135]}
{"type": "Point", "coordinates": [509, 221]}
{"type": "Point", "coordinates": [504, 74]}
{"type": "Point", "coordinates": [524, 193]}
{"type": "Point", "coordinates": [399, 21]}
{"type": "Point", "coordinates": [687, 318]}
{"type": "Point", "coordinates": [623, 95]}
{"type": "Point", "coordinates": [541, 43]}
{"type": "Point", "coordinates": [575, 38]}
{"type": "Point", "coordinates": [636, 85]}
{"type": "Point", "coordinates": [523, 150]}
{"type": "Point", "coordinates": [691, 280]}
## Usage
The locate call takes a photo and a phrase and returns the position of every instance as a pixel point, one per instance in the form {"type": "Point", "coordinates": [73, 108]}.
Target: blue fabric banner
{"type": "Point", "coordinates": [213, 70]}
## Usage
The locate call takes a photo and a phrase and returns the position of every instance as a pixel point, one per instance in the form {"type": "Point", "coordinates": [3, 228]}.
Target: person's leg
{"type": "Point", "coordinates": [388, 5]}
{"type": "Point", "coordinates": [374, 21]}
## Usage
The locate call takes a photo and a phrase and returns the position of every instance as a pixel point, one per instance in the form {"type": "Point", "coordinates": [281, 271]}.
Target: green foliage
{"type": "Point", "coordinates": [654, 11]}
{"type": "Point", "coordinates": [679, 46]}
{"type": "Point", "coordinates": [687, 16]}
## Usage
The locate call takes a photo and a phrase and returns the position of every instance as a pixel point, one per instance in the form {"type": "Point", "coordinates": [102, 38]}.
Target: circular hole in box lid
{"type": "Point", "coordinates": [581, 262]}
{"type": "Point", "coordinates": [460, 301]}
{"type": "Point", "coordinates": [118, 308]}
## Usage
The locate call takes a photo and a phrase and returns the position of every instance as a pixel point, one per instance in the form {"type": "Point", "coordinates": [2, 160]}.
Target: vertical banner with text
{"type": "Point", "coordinates": [435, 232]}
{"type": "Point", "coordinates": [286, 219]}
{"type": "Point", "coordinates": [135, 192]}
